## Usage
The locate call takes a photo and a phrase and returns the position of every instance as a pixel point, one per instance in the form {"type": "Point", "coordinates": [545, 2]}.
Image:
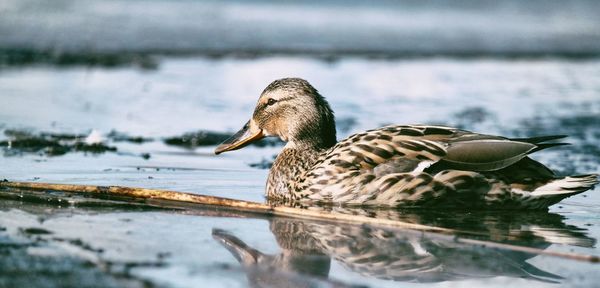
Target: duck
{"type": "Point", "coordinates": [398, 166]}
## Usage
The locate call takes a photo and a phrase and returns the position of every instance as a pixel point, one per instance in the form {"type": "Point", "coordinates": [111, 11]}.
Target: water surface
{"type": "Point", "coordinates": [142, 245]}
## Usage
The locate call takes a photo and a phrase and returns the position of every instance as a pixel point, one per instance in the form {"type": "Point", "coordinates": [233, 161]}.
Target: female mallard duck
{"type": "Point", "coordinates": [399, 165]}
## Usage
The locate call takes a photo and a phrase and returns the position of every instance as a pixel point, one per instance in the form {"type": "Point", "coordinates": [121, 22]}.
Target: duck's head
{"type": "Point", "coordinates": [292, 110]}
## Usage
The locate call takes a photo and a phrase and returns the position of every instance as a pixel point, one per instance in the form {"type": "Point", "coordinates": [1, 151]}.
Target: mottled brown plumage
{"type": "Point", "coordinates": [398, 165]}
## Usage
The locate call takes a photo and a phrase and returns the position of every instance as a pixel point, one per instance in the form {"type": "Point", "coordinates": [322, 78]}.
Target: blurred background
{"type": "Point", "coordinates": [139, 93]}
{"type": "Point", "coordinates": [198, 61]}
{"type": "Point", "coordinates": [330, 27]}
{"type": "Point", "coordinates": [64, 59]}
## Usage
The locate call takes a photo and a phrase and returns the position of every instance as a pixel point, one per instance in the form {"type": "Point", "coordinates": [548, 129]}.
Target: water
{"type": "Point", "coordinates": [393, 28]}
{"type": "Point", "coordinates": [190, 94]}
{"type": "Point", "coordinates": [525, 78]}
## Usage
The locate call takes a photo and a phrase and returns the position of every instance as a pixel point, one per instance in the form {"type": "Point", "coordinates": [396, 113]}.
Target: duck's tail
{"type": "Point", "coordinates": [569, 185]}
{"type": "Point", "coordinates": [542, 141]}
{"type": "Point", "coordinates": [558, 189]}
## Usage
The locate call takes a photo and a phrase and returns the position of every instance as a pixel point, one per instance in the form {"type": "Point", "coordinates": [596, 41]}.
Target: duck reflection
{"type": "Point", "coordinates": [307, 248]}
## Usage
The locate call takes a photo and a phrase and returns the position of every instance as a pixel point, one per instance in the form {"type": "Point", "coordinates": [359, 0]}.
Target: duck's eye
{"type": "Point", "coordinates": [271, 101]}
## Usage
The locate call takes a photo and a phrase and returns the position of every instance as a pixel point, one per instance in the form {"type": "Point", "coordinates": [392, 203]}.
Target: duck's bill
{"type": "Point", "coordinates": [239, 140]}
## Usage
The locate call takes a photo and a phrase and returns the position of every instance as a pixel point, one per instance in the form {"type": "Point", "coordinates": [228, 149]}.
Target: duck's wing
{"type": "Point", "coordinates": [391, 149]}
{"type": "Point", "coordinates": [402, 149]}
{"type": "Point", "coordinates": [485, 154]}
{"type": "Point", "coordinates": [418, 165]}
{"type": "Point", "coordinates": [479, 152]}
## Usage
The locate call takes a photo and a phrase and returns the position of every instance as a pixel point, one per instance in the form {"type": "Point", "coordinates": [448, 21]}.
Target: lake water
{"type": "Point", "coordinates": [179, 248]}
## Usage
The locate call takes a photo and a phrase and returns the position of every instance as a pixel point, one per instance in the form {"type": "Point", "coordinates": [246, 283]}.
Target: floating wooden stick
{"type": "Point", "coordinates": [221, 202]}
{"type": "Point", "coordinates": [255, 207]}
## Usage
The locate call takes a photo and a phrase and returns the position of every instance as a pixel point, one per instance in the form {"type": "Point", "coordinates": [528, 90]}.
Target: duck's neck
{"type": "Point", "coordinates": [319, 135]}
{"type": "Point", "coordinates": [296, 158]}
